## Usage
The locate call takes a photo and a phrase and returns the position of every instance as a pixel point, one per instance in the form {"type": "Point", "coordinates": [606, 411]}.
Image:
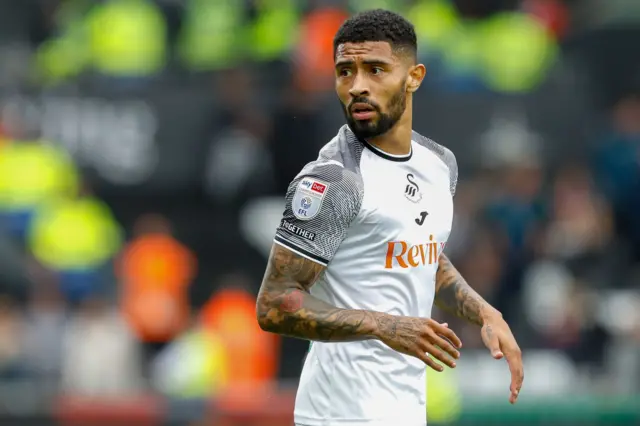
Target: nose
{"type": "Point", "coordinates": [359, 87]}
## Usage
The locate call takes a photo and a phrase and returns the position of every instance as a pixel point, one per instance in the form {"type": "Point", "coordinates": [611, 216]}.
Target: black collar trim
{"type": "Point", "coordinates": [387, 156]}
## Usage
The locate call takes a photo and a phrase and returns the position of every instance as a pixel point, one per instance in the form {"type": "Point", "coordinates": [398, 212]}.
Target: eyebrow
{"type": "Point", "coordinates": [373, 61]}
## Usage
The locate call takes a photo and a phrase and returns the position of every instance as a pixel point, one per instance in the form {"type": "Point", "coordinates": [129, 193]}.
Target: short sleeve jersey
{"type": "Point", "coordinates": [378, 222]}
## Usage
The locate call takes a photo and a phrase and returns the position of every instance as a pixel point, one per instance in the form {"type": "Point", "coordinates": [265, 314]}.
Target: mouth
{"type": "Point", "coordinates": [362, 111]}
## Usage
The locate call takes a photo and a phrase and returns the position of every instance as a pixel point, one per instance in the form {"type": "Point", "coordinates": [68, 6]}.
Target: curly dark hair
{"type": "Point", "coordinates": [378, 25]}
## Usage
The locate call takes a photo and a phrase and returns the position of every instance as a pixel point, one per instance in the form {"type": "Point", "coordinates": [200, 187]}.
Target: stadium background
{"type": "Point", "coordinates": [145, 147]}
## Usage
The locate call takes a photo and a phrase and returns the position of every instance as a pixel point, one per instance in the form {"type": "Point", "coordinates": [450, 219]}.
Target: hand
{"type": "Point", "coordinates": [420, 337]}
{"type": "Point", "coordinates": [497, 336]}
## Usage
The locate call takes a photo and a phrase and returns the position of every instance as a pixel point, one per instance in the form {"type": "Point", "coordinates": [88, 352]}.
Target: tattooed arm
{"type": "Point", "coordinates": [285, 306]}
{"type": "Point", "coordinates": [454, 295]}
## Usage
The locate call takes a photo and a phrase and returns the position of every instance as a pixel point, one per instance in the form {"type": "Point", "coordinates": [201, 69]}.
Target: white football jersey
{"type": "Point", "coordinates": [378, 222]}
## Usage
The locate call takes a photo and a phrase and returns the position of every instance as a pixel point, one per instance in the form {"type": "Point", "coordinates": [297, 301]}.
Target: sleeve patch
{"type": "Point", "coordinates": [307, 199]}
{"type": "Point", "coordinates": [297, 230]}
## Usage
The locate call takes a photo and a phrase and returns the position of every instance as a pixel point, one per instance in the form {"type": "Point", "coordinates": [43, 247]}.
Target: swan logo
{"type": "Point", "coordinates": [412, 190]}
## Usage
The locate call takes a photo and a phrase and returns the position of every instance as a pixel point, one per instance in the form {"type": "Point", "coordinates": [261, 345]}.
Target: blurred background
{"type": "Point", "coordinates": [145, 148]}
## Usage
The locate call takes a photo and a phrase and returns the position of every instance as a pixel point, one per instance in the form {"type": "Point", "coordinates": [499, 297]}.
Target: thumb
{"type": "Point", "coordinates": [492, 342]}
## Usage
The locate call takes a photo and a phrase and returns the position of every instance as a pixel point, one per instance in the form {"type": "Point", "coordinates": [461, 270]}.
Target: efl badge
{"type": "Point", "coordinates": [308, 197]}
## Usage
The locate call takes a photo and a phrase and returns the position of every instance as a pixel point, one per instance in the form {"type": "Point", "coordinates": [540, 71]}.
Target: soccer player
{"type": "Point", "coordinates": [357, 260]}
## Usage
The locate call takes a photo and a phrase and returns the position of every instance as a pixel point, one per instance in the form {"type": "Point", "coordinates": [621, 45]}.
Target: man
{"type": "Point", "coordinates": [357, 260]}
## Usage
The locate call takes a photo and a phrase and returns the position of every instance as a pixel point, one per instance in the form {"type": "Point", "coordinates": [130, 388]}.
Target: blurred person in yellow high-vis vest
{"type": "Point", "coordinates": [76, 238]}
{"type": "Point", "coordinates": [127, 38]}
{"type": "Point", "coordinates": [211, 36]}
{"type": "Point", "coordinates": [274, 31]}
{"type": "Point", "coordinates": [32, 173]}
{"type": "Point", "coordinates": [435, 22]}
{"type": "Point", "coordinates": [64, 55]}
{"type": "Point", "coordinates": [515, 51]}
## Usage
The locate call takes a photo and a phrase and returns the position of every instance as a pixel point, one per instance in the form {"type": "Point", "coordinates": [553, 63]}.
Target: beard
{"type": "Point", "coordinates": [367, 129]}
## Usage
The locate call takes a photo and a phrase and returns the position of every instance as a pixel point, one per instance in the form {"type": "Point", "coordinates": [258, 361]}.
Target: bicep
{"type": "Point", "coordinates": [287, 269]}
{"type": "Point", "coordinates": [288, 276]}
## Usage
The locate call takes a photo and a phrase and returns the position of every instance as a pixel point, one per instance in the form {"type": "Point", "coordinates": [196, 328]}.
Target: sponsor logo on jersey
{"type": "Point", "coordinates": [296, 230]}
{"type": "Point", "coordinates": [318, 187]}
{"type": "Point", "coordinates": [308, 197]}
{"type": "Point", "coordinates": [412, 190]}
{"type": "Point", "coordinates": [402, 255]}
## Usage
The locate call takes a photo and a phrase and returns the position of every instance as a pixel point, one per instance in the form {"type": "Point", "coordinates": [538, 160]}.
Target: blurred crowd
{"type": "Point", "coordinates": [100, 302]}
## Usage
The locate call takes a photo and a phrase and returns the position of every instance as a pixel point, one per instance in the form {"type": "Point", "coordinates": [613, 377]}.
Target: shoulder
{"type": "Point", "coordinates": [442, 152]}
{"type": "Point", "coordinates": [337, 166]}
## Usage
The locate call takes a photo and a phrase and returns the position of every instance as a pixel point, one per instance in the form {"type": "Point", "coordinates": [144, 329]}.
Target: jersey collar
{"type": "Point", "coordinates": [385, 155]}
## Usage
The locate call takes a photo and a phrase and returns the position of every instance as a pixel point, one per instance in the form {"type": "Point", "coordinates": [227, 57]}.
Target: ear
{"type": "Point", "coordinates": [416, 75]}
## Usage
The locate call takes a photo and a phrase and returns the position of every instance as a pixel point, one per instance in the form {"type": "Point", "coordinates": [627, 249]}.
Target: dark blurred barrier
{"type": "Point", "coordinates": [155, 142]}
{"type": "Point", "coordinates": [148, 141]}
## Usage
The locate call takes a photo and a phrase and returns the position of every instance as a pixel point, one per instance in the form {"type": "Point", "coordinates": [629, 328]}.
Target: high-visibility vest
{"type": "Point", "coordinates": [212, 35]}
{"type": "Point", "coordinates": [74, 234]}
{"type": "Point", "coordinates": [516, 52]}
{"type": "Point", "coordinates": [275, 31]}
{"type": "Point", "coordinates": [231, 315]}
{"type": "Point", "coordinates": [32, 173]}
{"type": "Point", "coordinates": [127, 38]}
{"type": "Point", "coordinates": [434, 21]}
{"type": "Point", "coordinates": [155, 271]}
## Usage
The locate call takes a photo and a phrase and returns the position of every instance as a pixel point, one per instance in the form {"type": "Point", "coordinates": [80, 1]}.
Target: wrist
{"type": "Point", "coordinates": [381, 325]}
{"type": "Point", "coordinates": [489, 314]}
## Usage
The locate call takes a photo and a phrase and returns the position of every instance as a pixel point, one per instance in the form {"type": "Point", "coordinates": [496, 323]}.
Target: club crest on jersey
{"type": "Point", "coordinates": [308, 197]}
{"type": "Point", "coordinates": [412, 190]}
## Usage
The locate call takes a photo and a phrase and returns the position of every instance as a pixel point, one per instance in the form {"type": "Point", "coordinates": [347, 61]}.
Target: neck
{"type": "Point", "coordinates": [396, 141]}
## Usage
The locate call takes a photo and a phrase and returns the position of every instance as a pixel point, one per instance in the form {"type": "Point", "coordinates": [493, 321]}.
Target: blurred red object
{"type": "Point", "coordinates": [254, 405]}
{"type": "Point", "coordinates": [551, 13]}
{"type": "Point", "coordinates": [81, 411]}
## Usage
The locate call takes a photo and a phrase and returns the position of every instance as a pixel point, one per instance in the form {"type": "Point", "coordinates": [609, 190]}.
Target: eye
{"type": "Point", "coordinates": [344, 72]}
{"type": "Point", "coordinates": [376, 70]}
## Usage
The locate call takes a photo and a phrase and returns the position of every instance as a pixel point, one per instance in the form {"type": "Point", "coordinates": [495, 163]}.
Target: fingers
{"type": "Point", "coordinates": [492, 342]}
{"type": "Point", "coordinates": [429, 361]}
{"type": "Point", "coordinates": [445, 345]}
{"type": "Point", "coordinates": [514, 359]}
{"type": "Point", "coordinates": [444, 330]}
{"type": "Point", "coordinates": [441, 356]}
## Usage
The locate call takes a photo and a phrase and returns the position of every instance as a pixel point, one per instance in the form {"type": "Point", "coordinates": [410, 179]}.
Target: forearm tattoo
{"type": "Point", "coordinates": [454, 295]}
{"type": "Point", "coordinates": [285, 306]}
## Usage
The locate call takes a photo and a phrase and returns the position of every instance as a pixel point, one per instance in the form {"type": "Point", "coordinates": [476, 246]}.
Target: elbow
{"type": "Point", "coordinates": [262, 316]}
{"type": "Point", "coordinates": [263, 323]}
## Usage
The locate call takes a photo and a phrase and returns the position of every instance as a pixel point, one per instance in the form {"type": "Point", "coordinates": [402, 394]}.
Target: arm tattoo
{"type": "Point", "coordinates": [453, 294]}
{"type": "Point", "coordinates": [284, 305]}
